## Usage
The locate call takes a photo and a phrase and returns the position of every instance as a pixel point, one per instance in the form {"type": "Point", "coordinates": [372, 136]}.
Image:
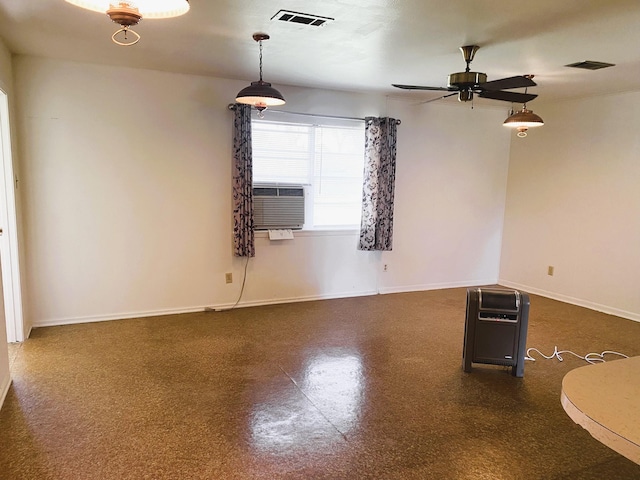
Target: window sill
{"type": "Point", "coordinates": [334, 232]}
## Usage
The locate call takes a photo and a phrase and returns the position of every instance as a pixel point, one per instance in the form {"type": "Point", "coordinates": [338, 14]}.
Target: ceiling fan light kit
{"type": "Point", "coordinates": [129, 13]}
{"type": "Point", "coordinates": [260, 94]}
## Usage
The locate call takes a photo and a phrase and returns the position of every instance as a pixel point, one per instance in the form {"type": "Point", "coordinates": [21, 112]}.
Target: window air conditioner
{"type": "Point", "coordinates": [277, 207]}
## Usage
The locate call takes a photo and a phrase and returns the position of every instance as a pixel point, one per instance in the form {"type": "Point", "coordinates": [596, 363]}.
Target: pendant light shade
{"type": "Point", "coordinates": [147, 8]}
{"type": "Point", "coordinates": [260, 94]}
{"type": "Point", "coordinates": [522, 120]}
{"type": "Point", "coordinates": [129, 13]}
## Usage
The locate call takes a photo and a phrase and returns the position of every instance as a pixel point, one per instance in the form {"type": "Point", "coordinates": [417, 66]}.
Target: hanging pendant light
{"type": "Point", "coordinates": [523, 120]}
{"type": "Point", "coordinates": [129, 13]}
{"type": "Point", "coordinates": [260, 94]}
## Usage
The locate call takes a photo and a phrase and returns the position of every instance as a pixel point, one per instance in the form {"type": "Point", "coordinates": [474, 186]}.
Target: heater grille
{"type": "Point", "coordinates": [590, 65]}
{"type": "Point", "coordinates": [301, 18]}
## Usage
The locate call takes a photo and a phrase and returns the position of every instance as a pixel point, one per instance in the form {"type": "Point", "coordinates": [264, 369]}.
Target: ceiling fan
{"type": "Point", "coordinates": [465, 84]}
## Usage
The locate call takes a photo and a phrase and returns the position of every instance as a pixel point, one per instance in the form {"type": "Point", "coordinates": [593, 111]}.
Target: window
{"type": "Point", "coordinates": [326, 156]}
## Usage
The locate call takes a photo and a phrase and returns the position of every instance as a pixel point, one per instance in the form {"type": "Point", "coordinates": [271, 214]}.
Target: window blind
{"type": "Point", "coordinates": [327, 159]}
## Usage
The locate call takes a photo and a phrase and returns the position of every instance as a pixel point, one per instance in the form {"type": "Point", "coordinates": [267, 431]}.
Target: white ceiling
{"type": "Point", "coordinates": [370, 45]}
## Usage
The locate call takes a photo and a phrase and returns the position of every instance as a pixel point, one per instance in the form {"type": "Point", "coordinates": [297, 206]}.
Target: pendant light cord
{"type": "Point", "coordinates": [260, 42]}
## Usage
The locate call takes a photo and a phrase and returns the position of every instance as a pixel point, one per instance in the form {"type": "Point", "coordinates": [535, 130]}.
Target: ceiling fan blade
{"type": "Point", "coordinates": [507, 83]}
{"type": "Point", "coordinates": [419, 87]}
{"type": "Point", "coordinates": [513, 97]}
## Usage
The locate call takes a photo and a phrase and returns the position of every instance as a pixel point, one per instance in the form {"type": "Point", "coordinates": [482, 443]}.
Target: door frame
{"type": "Point", "coordinates": [10, 265]}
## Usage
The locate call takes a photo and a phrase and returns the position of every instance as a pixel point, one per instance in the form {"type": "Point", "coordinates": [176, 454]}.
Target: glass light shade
{"type": "Point", "coordinates": [147, 8]}
{"type": "Point", "coordinates": [523, 118]}
{"type": "Point", "coordinates": [260, 94]}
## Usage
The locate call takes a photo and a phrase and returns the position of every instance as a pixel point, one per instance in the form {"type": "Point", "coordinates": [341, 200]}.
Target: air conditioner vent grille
{"type": "Point", "coordinates": [301, 18]}
{"type": "Point", "coordinates": [277, 207]}
{"type": "Point", "coordinates": [265, 191]}
{"type": "Point", "coordinates": [590, 65]}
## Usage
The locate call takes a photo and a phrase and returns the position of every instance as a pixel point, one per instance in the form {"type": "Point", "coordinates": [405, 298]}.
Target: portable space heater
{"type": "Point", "coordinates": [495, 330]}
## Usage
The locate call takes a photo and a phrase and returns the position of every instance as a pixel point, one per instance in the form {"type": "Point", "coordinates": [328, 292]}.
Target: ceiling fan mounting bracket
{"type": "Point", "coordinates": [468, 52]}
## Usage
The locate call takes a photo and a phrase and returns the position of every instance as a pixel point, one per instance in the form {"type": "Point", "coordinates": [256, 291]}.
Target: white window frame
{"type": "Point", "coordinates": [315, 121]}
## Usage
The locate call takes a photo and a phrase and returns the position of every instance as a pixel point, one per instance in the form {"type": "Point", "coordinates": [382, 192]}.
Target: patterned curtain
{"type": "Point", "coordinates": [376, 229]}
{"type": "Point", "coordinates": [243, 240]}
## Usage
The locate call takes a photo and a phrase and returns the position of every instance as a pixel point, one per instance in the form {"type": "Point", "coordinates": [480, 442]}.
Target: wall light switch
{"type": "Point", "coordinates": [550, 270]}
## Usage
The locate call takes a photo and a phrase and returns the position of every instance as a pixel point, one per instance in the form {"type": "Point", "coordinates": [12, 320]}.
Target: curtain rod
{"type": "Point", "coordinates": [232, 106]}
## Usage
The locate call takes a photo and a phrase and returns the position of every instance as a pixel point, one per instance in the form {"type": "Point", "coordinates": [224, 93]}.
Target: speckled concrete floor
{"type": "Point", "coordinates": [361, 388]}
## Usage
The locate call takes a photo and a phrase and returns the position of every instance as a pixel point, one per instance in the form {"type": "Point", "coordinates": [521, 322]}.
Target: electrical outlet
{"type": "Point", "coordinates": [385, 268]}
{"type": "Point", "coordinates": [550, 270]}
{"type": "Point", "coordinates": [228, 277]}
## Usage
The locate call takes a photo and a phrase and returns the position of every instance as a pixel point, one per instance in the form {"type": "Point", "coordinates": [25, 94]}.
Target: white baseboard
{"type": "Point", "coordinates": [119, 316]}
{"type": "Point", "coordinates": [438, 286]}
{"type": "Point", "coordinates": [574, 301]}
{"type": "Point", "coordinates": [177, 311]}
{"type": "Point", "coordinates": [310, 298]}
{"type": "Point", "coordinates": [4, 389]}
{"type": "Point", "coordinates": [277, 301]}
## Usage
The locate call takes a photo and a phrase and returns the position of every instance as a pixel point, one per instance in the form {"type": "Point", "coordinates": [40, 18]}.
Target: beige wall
{"type": "Point", "coordinates": [450, 197]}
{"type": "Point", "coordinates": [573, 202]}
{"type": "Point", "coordinates": [126, 188]}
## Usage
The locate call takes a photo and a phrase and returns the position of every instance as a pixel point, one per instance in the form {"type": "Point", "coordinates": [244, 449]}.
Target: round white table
{"type": "Point", "coordinates": [604, 399]}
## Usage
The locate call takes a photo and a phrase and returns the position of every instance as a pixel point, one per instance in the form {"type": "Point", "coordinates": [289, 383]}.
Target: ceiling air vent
{"type": "Point", "coordinates": [590, 65]}
{"type": "Point", "coordinates": [303, 18]}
